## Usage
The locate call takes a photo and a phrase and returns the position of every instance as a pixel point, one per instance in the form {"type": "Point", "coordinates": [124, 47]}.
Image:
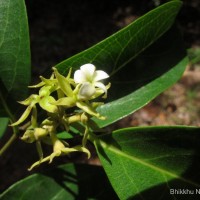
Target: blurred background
{"type": "Point", "coordinates": [60, 29]}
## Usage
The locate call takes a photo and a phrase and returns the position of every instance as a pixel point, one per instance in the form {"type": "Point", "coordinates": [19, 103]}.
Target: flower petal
{"type": "Point", "coordinates": [100, 75]}
{"type": "Point", "coordinates": [86, 91]}
{"type": "Point", "coordinates": [79, 77]}
{"type": "Point", "coordinates": [24, 115]}
{"type": "Point", "coordinates": [88, 69]}
{"type": "Point", "coordinates": [77, 148]}
{"type": "Point", "coordinates": [101, 86]}
{"type": "Point", "coordinates": [38, 163]}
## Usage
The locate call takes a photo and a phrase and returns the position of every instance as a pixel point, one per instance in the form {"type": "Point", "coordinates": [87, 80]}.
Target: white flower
{"type": "Point", "coordinates": [90, 78]}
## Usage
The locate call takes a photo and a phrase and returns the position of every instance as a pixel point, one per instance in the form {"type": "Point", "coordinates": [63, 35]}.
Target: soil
{"type": "Point", "coordinates": [61, 29]}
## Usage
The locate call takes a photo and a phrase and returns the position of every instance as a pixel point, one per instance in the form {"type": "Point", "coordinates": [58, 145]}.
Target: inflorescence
{"type": "Point", "coordinates": [67, 101]}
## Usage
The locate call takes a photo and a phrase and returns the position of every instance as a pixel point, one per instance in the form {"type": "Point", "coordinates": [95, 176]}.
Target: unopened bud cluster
{"type": "Point", "coordinates": [67, 102]}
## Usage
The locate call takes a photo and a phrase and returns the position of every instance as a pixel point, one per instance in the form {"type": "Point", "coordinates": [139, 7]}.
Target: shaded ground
{"type": "Point", "coordinates": [59, 30]}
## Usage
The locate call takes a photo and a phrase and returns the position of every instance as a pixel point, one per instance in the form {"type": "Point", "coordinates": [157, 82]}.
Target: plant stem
{"type": "Point", "coordinates": [8, 144]}
{"type": "Point", "coordinates": [9, 113]}
{"type": "Point", "coordinates": [15, 129]}
{"type": "Point", "coordinates": [92, 137]}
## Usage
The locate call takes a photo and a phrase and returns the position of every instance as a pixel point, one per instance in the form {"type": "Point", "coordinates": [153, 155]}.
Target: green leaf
{"type": "Point", "coordinates": [154, 62]}
{"type": "Point", "coordinates": [14, 48]}
{"type": "Point", "coordinates": [116, 51]}
{"type": "Point", "coordinates": [154, 71]}
{"type": "Point", "coordinates": [128, 104]}
{"type": "Point", "coordinates": [116, 55]}
{"type": "Point", "coordinates": [3, 125]}
{"type": "Point", "coordinates": [149, 161]}
{"type": "Point", "coordinates": [64, 183]}
{"type": "Point", "coordinates": [65, 135]}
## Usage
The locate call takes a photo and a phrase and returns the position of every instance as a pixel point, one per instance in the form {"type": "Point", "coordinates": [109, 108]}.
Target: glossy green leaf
{"type": "Point", "coordinates": [14, 49]}
{"type": "Point", "coordinates": [116, 51]}
{"type": "Point", "coordinates": [128, 104]}
{"type": "Point", "coordinates": [64, 135]}
{"type": "Point", "coordinates": [155, 70]}
{"type": "Point", "coordinates": [116, 56]}
{"type": "Point", "coordinates": [149, 161]}
{"type": "Point", "coordinates": [3, 125]}
{"type": "Point", "coordinates": [66, 182]}
{"type": "Point", "coordinates": [154, 62]}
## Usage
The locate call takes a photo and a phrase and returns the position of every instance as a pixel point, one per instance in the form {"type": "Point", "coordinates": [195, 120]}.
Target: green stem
{"type": "Point", "coordinates": [85, 136]}
{"type": "Point", "coordinates": [92, 137]}
{"type": "Point", "coordinates": [8, 144]}
{"type": "Point", "coordinates": [12, 120]}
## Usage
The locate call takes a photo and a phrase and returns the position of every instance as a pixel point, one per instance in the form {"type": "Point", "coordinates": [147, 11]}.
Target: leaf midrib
{"type": "Point", "coordinates": [145, 47]}
{"type": "Point", "coordinates": [142, 162]}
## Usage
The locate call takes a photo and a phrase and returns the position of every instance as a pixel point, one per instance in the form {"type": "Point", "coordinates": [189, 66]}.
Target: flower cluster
{"type": "Point", "coordinates": [67, 102]}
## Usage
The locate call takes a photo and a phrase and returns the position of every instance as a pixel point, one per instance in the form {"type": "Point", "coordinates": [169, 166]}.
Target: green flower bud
{"type": "Point", "coordinates": [67, 102]}
{"type": "Point", "coordinates": [44, 91]}
{"type": "Point", "coordinates": [40, 133]}
{"type": "Point", "coordinates": [28, 136]}
{"type": "Point", "coordinates": [32, 99]}
{"type": "Point", "coordinates": [47, 104]}
{"type": "Point", "coordinates": [64, 84]}
{"type": "Point", "coordinates": [89, 109]}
